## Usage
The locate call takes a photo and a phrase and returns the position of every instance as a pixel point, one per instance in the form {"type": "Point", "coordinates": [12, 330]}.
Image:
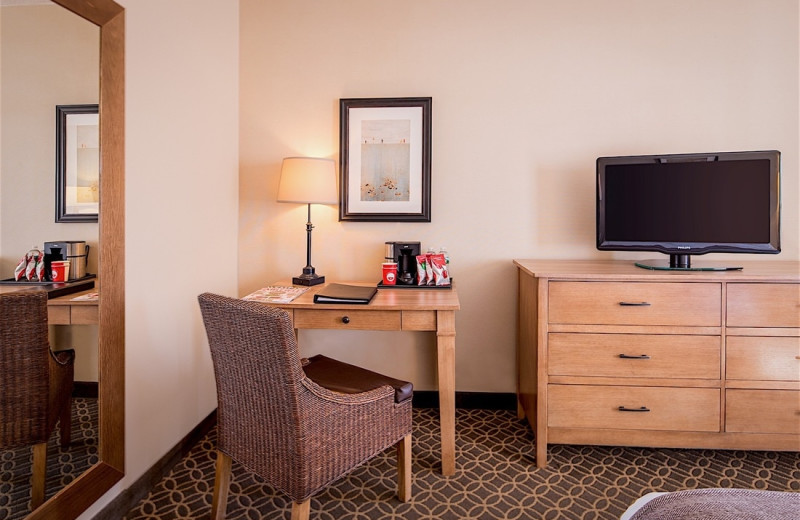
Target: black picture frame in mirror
{"type": "Point", "coordinates": [77, 163]}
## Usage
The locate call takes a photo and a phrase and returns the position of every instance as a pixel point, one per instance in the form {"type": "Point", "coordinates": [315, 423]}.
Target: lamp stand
{"type": "Point", "coordinates": [309, 277]}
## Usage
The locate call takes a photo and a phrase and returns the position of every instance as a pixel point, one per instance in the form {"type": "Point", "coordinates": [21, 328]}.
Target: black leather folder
{"type": "Point", "coordinates": [341, 293]}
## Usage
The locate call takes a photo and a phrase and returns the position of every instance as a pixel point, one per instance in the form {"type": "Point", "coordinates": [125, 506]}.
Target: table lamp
{"type": "Point", "coordinates": [308, 180]}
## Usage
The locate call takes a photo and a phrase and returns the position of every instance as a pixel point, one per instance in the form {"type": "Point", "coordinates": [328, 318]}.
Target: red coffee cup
{"type": "Point", "coordinates": [59, 271]}
{"type": "Point", "coordinates": [389, 273]}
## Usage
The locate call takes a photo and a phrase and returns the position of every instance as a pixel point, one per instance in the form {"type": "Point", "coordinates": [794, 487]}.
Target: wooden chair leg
{"type": "Point", "coordinates": [302, 510]}
{"type": "Point", "coordinates": [39, 473]}
{"type": "Point", "coordinates": [65, 423]}
{"type": "Point", "coordinates": [222, 481]}
{"type": "Point", "coordinates": [404, 468]}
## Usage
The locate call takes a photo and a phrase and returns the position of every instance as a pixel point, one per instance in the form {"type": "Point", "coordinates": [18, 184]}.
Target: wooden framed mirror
{"type": "Point", "coordinates": [76, 497]}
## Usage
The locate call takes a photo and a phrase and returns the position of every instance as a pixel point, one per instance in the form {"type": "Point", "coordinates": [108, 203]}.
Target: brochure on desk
{"type": "Point", "coordinates": [342, 293]}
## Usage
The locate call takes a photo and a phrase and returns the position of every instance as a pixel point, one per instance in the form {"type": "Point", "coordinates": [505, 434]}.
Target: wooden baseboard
{"type": "Point", "coordinates": [86, 389]}
{"type": "Point", "coordinates": [128, 499]}
{"type": "Point", "coordinates": [468, 400]}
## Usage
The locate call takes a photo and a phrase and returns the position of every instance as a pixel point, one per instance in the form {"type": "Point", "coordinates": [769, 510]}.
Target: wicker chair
{"type": "Point", "coordinates": [35, 382]}
{"type": "Point", "coordinates": [275, 420]}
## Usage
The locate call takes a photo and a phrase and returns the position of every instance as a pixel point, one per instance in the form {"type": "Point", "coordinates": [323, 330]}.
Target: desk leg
{"type": "Point", "coordinates": [446, 351]}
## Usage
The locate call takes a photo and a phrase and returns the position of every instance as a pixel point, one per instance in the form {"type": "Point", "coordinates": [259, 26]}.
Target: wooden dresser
{"type": "Point", "coordinates": [613, 354]}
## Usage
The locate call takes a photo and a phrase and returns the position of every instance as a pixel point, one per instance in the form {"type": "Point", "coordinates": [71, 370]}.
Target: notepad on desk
{"type": "Point", "coordinates": [276, 294]}
{"type": "Point", "coordinates": [341, 293]}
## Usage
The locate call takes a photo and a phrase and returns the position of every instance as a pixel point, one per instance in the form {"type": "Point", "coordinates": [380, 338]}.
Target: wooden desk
{"type": "Point", "coordinates": [398, 309]}
{"type": "Point", "coordinates": [63, 310]}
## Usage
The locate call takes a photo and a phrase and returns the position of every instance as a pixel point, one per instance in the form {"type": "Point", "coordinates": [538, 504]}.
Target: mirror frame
{"type": "Point", "coordinates": [84, 491]}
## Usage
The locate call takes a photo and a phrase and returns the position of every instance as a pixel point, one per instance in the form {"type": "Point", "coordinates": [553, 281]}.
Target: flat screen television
{"type": "Point", "coordinates": [689, 204]}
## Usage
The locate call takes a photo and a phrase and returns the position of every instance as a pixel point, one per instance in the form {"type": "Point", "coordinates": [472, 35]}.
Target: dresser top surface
{"type": "Point", "coordinates": [756, 271]}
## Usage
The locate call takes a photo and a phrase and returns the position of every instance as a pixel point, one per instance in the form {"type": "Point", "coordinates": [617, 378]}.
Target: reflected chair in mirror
{"type": "Point", "coordinates": [35, 382]}
{"type": "Point", "coordinates": [298, 424]}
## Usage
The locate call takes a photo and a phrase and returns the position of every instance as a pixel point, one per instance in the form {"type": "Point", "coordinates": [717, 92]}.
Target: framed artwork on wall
{"type": "Point", "coordinates": [77, 163]}
{"type": "Point", "coordinates": [385, 151]}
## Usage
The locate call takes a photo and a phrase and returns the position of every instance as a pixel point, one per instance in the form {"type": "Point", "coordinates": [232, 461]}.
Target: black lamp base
{"type": "Point", "coordinates": [308, 279]}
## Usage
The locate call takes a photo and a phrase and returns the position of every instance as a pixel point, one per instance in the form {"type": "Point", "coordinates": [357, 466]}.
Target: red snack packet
{"type": "Point", "coordinates": [40, 267]}
{"type": "Point", "coordinates": [439, 265]}
{"type": "Point", "coordinates": [30, 268]}
{"type": "Point", "coordinates": [429, 269]}
{"type": "Point", "coordinates": [19, 272]}
{"type": "Point", "coordinates": [422, 270]}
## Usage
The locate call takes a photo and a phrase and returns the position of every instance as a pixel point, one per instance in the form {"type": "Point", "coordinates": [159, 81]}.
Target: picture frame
{"type": "Point", "coordinates": [77, 163]}
{"type": "Point", "coordinates": [385, 154]}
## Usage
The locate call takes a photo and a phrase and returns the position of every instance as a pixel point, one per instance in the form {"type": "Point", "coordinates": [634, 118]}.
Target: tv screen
{"type": "Point", "coordinates": [689, 204]}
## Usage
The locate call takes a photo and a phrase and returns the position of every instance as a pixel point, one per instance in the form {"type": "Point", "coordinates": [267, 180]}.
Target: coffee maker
{"type": "Point", "coordinates": [76, 251]}
{"type": "Point", "coordinates": [405, 255]}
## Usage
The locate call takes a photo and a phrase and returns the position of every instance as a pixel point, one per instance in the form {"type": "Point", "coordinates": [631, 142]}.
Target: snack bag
{"type": "Point", "coordinates": [19, 272]}
{"type": "Point", "coordinates": [40, 267]}
{"type": "Point", "coordinates": [439, 266]}
{"type": "Point", "coordinates": [30, 267]}
{"type": "Point", "coordinates": [422, 271]}
{"type": "Point", "coordinates": [429, 270]}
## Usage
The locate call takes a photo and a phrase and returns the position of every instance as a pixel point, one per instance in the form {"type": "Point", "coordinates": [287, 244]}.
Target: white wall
{"type": "Point", "coordinates": [526, 95]}
{"type": "Point", "coordinates": [181, 196]}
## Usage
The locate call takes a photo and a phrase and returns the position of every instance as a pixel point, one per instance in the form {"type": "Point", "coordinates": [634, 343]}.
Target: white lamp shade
{"type": "Point", "coordinates": [308, 180]}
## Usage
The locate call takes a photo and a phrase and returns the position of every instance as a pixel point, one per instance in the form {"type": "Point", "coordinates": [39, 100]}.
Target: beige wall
{"type": "Point", "coordinates": [526, 95]}
{"type": "Point", "coordinates": [181, 197]}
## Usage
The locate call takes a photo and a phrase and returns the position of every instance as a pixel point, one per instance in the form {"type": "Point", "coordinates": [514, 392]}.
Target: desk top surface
{"type": "Point", "coordinates": [768, 270]}
{"type": "Point", "coordinates": [385, 299]}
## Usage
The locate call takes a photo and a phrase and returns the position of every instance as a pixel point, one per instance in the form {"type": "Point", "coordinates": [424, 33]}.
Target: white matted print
{"type": "Point", "coordinates": [385, 152]}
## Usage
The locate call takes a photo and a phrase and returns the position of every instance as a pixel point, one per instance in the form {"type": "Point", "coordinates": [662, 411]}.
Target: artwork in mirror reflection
{"type": "Point", "coordinates": [77, 163]}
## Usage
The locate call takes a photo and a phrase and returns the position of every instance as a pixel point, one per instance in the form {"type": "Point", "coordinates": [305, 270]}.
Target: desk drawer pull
{"type": "Point", "coordinates": [626, 356]}
{"type": "Point", "coordinates": [640, 409]}
{"type": "Point", "coordinates": [634, 304]}
{"type": "Point", "coordinates": [345, 319]}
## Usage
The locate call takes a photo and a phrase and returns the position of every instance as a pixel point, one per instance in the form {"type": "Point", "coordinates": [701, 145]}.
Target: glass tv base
{"type": "Point", "coordinates": [664, 265]}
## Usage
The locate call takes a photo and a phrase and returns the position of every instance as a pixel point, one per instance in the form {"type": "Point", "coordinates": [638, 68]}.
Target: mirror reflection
{"type": "Point", "coordinates": [50, 57]}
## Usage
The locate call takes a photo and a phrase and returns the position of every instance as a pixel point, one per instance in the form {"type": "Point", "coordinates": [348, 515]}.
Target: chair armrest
{"type": "Point", "coordinates": [369, 396]}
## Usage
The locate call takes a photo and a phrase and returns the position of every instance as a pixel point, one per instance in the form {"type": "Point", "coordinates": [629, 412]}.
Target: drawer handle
{"type": "Point", "coordinates": [640, 409]}
{"type": "Point", "coordinates": [626, 356]}
{"type": "Point", "coordinates": [345, 319]}
{"type": "Point", "coordinates": [634, 304]}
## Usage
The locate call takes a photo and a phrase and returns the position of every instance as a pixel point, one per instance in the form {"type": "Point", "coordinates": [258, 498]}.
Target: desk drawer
{"type": "Point", "coordinates": [764, 411]}
{"type": "Point", "coordinates": [668, 408]}
{"type": "Point", "coordinates": [347, 319]}
{"type": "Point", "coordinates": [763, 358]}
{"type": "Point", "coordinates": [635, 303]}
{"type": "Point", "coordinates": [763, 305]}
{"type": "Point", "coordinates": [58, 315]}
{"type": "Point", "coordinates": [643, 355]}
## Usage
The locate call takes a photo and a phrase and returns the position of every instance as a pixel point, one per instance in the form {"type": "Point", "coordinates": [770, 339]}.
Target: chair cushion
{"type": "Point", "coordinates": [350, 379]}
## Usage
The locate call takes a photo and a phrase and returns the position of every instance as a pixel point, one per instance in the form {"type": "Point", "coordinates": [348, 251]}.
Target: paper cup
{"type": "Point", "coordinates": [59, 270]}
{"type": "Point", "coordinates": [389, 273]}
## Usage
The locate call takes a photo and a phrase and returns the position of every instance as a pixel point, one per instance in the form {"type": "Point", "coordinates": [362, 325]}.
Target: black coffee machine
{"type": "Point", "coordinates": [405, 254]}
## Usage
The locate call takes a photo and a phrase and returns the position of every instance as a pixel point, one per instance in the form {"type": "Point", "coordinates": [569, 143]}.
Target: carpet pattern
{"type": "Point", "coordinates": [63, 465]}
{"type": "Point", "coordinates": [495, 478]}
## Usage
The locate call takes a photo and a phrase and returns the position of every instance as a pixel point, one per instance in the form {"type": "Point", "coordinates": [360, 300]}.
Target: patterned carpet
{"type": "Point", "coordinates": [495, 478]}
{"type": "Point", "coordinates": [63, 465]}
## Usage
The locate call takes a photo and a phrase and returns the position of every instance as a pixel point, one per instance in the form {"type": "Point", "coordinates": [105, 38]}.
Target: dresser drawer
{"type": "Point", "coordinates": [346, 319]}
{"type": "Point", "coordinates": [763, 358]}
{"type": "Point", "coordinates": [634, 355]}
{"type": "Point", "coordinates": [667, 408]}
{"type": "Point", "coordinates": [762, 411]}
{"type": "Point", "coordinates": [763, 305]}
{"type": "Point", "coordinates": [635, 303]}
